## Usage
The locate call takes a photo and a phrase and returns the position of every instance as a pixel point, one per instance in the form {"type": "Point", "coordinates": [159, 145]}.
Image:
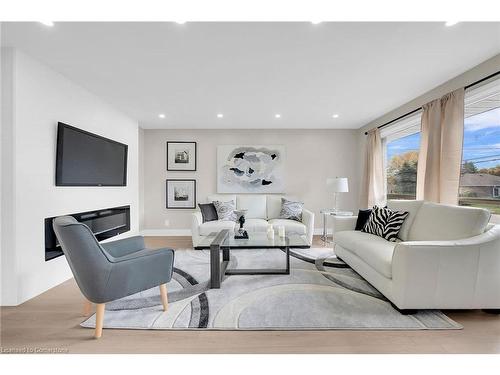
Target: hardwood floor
{"type": "Point", "coordinates": [51, 322]}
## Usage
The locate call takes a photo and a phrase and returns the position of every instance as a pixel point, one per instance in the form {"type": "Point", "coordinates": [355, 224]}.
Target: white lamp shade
{"type": "Point", "coordinates": [338, 184]}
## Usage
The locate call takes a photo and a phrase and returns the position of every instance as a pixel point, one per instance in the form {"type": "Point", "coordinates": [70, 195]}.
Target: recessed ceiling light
{"type": "Point", "coordinates": [277, 115]}
{"type": "Point", "coordinates": [450, 23]}
{"type": "Point", "coordinates": [47, 23]}
{"type": "Point", "coordinates": [220, 115]}
{"type": "Point", "coordinates": [316, 22]}
{"type": "Point", "coordinates": [161, 115]}
{"type": "Point", "coordinates": [180, 22]}
{"type": "Point", "coordinates": [335, 116]}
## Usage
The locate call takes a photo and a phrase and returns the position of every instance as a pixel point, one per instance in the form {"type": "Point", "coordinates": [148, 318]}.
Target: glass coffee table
{"type": "Point", "coordinates": [224, 241]}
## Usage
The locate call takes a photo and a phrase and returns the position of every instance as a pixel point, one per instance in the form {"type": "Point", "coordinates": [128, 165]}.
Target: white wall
{"type": "Point", "coordinates": [41, 98]}
{"type": "Point", "coordinates": [311, 157]}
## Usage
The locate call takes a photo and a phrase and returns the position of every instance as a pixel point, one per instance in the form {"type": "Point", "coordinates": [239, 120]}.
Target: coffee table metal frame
{"type": "Point", "coordinates": [219, 269]}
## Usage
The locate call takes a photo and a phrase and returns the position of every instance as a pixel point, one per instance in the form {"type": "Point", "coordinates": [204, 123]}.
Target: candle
{"type": "Point", "coordinates": [270, 232]}
{"type": "Point", "coordinates": [281, 231]}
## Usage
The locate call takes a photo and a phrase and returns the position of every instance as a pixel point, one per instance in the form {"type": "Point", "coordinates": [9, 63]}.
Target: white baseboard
{"type": "Point", "coordinates": [187, 232]}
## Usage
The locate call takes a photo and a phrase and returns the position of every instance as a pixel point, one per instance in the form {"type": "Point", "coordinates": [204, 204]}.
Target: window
{"type": "Point", "coordinates": [480, 172]}
{"type": "Point", "coordinates": [401, 142]}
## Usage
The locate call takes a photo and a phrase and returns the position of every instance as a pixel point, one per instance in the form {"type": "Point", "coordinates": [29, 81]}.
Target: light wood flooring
{"type": "Point", "coordinates": [51, 321]}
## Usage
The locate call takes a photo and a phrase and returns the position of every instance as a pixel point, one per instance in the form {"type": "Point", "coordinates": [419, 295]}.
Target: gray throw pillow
{"type": "Point", "coordinates": [225, 210]}
{"type": "Point", "coordinates": [208, 212]}
{"type": "Point", "coordinates": [291, 210]}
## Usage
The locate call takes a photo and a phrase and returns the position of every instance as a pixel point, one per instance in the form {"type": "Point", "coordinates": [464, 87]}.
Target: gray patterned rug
{"type": "Point", "coordinates": [321, 292]}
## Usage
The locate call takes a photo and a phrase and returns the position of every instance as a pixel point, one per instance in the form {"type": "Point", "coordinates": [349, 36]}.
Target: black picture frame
{"type": "Point", "coordinates": [173, 180]}
{"type": "Point", "coordinates": [195, 156]}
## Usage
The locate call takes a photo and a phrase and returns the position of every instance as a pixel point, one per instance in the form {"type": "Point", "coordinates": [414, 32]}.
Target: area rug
{"type": "Point", "coordinates": [321, 292]}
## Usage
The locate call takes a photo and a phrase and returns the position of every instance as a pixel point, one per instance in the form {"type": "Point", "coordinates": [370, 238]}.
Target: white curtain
{"type": "Point", "coordinates": [374, 186]}
{"type": "Point", "coordinates": [440, 154]}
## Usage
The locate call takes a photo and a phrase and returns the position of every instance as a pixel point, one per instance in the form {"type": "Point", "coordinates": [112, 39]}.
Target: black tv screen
{"type": "Point", "coordinates": [86, 159]}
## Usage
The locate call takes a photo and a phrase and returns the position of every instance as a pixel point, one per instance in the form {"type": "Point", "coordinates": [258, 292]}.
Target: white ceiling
{"type": "Point", "coordinates": [251, 71]}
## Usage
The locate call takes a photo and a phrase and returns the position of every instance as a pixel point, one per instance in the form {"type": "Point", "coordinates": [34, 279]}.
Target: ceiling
{"type": "Point", "coordinates": [249, 72]}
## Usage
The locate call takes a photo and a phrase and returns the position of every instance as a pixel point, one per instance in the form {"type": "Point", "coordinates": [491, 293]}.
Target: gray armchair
{"type": "Point", "coordinates": [109, 271]}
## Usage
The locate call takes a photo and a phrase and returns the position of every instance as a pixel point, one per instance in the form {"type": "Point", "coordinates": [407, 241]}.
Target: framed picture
{"type": "Point", "coordinates": [181, 156]}
{"type": "Point", "coordinates": [251, 169]}
{"type": "Point", "coordinates": [181, 194]}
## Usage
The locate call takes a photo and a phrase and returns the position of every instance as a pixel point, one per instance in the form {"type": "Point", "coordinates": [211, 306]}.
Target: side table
{"type": "Point", "coordinates": [331, 212]}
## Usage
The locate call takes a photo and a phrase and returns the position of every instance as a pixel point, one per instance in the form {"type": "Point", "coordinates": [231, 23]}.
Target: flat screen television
{"type": "Point", "coordinates": [86, 159]}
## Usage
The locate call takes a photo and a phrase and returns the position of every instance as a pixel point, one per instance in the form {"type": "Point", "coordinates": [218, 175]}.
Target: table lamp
{"type": "Point", "coordinates": [337, 185]}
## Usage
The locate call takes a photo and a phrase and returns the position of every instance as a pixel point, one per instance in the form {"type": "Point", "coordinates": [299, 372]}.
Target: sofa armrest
{"type": "Point", "coordinates": [196, 221]}
{"type": "Point", "coordinates": [308, 221]}
{"type": "Point", "coordinates": [342, 223]}
{"type": "Point", "coordinates": [448, 273]}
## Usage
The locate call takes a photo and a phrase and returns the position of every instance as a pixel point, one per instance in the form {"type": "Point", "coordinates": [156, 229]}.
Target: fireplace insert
{"type": "Point", "coordinates": [105, 223]}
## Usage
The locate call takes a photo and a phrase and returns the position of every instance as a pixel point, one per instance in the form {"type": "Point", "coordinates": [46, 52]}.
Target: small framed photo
{"type": "Point", "coordinates": [181, 156]}
{"type": "Point", "coordinates": [181, 194]}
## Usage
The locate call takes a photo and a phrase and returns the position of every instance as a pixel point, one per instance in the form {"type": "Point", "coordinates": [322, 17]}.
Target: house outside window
{"type": "Point", "coordinates": [480, 172]}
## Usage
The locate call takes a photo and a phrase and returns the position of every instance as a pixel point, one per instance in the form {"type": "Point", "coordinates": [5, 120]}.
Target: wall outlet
{"type": "Point", "coordinates": [167, 223]}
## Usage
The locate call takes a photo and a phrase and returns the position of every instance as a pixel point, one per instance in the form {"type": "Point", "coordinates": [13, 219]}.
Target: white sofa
{"type": "Point", "coordinates": [262, 211]}
{"type": "Point", "coordinates": [449, 257]}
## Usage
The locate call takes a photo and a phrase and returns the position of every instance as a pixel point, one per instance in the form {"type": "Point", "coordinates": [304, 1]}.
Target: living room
{"type": "Point", "coordinates": [250, 187]}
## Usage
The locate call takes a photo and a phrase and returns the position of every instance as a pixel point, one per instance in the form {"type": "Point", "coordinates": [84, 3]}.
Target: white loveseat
{"type": "Point", "coordinates": [262, 211]}
{"type": "Point", "coordinates": [449, 257]}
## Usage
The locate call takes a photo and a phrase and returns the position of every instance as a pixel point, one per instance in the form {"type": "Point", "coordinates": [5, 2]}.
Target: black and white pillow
{"type": "Point", "coordinates": [291, 210]}
{"type": "Point", "coordinates": [363, 216]}
{"type": "Point", "coordinates": [208, 212]}
{"type": "Point", "coordinates": [225, 210]}
{"type": "Point", "coordinates": [385, 223]}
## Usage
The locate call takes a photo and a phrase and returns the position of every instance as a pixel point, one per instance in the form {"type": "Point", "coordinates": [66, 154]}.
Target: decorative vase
{"type": "Point", "coordinates": [241, 233]}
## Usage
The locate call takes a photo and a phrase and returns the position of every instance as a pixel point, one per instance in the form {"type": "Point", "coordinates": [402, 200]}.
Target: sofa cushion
{"type": "Point", "coordinates": [221, 197]}
{"type": "Point", "coordinates": [440, 222]}
{"type": "Point", "coordinates": [291, 226]}
{"type": "Point", "coordinates": [273, 206]}
{"type": "Point", "coordinates": [255, 225]}
{"type": "Point", "coordinates": [255, 204]}
{"type": "Point", "coordinates": [374, 250]}
{"type": "Point", "coordinates": [215, 226]}
{"type": "Point", "coordinates": [409, 206]}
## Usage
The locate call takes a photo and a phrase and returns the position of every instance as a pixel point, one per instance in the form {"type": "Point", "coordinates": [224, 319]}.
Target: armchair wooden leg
{"type": "Point", "coordinates": [87, 308]}
{"type": "Point", "coordinates": [164, 296]}
{"type": "Point", "coordinates": [99, 319]}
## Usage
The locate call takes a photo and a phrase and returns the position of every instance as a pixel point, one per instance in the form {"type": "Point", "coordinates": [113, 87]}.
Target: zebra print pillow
{"type": "Point", "coordinates": [385, 223]}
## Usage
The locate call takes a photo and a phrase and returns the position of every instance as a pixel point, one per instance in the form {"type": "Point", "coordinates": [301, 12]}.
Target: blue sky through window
{"type": "Point", "coordinates": [402, 145]}
{"type": "Point", "coordinates": [482, 139]}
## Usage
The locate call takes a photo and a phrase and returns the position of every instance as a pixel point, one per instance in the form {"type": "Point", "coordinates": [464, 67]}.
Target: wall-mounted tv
{"type": "Point", "coordinates": [86, 159]}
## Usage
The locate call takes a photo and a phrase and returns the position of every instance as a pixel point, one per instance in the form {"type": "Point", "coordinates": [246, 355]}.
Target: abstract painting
{"type": "Point", "coordinates": [251, 169]}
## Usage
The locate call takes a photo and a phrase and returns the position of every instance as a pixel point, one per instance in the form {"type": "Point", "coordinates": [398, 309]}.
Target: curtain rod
{"type": "Point", "coordinates": [418, 109]}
